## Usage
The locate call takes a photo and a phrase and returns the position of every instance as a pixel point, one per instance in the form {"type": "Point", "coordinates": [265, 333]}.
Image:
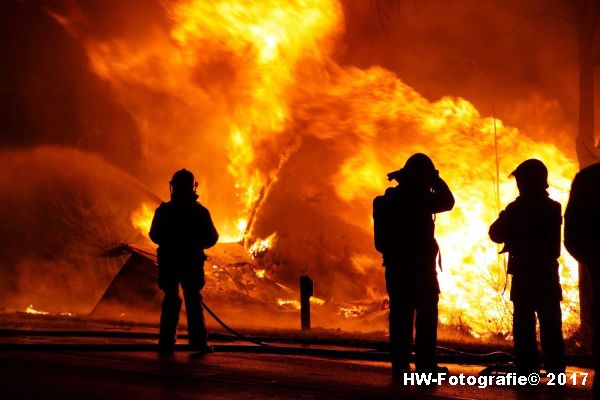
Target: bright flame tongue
{"type": "Point", "coordinates": [31, 310]}
{"type": "Point", "coordinates": [266, 70]}
{"type": "Point", "coordinates": [461, 143]}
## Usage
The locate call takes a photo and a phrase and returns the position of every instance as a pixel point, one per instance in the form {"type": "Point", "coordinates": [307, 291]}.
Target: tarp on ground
{"type": "Point", "coordinates": [234, 285]}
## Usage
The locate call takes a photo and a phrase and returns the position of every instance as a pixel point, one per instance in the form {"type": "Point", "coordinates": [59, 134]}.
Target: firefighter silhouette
{"type": "Point", "coordinates": [182, 228]}
{"type": "Point", "coordinates": [404, 234]}
{"type": "Point", "coordinates": [582, 240]}
{"type": "Point", "coordinates": [530, 229]}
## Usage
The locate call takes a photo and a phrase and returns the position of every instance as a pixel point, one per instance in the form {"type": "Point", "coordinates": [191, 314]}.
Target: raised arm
{"type": "Point", "coordinates": [442, 199]}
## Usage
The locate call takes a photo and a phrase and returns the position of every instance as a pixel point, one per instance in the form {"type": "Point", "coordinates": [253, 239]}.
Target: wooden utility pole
{"type": "Point", "coordinates": [306, 291]}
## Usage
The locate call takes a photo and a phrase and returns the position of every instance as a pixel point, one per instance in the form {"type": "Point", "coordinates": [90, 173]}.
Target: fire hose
{"type": "Point", "coordinates": [240, 336]}
{"type": "Point", "coordinates": [149, 255]}
{"type": "Point", "coordinates": [262, 344]}
{"type": "Point", "coordinates": [258, 342]}
{"type": "Point", "coordinates": [231, 330]}
{"type": "Point", "coordinates": [156, 198]}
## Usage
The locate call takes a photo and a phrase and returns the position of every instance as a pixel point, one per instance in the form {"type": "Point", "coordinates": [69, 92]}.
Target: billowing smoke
{"type": "Point", "coordinates": [61, 209]}
{"type": "Point", "coordinates": [519, 58]}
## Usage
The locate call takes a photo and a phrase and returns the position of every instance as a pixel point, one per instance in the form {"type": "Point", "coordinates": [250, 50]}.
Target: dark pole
{"type": "Point", "coordinates": [306, 290]}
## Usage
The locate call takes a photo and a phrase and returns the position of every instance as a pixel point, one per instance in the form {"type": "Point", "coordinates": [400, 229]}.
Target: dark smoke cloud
{"type": "Point", "coordinates": [489, 52]}
{"type": "Point", "coordinates": [61, 209]}
{"type": "Point", "coordinates": [50, 96]}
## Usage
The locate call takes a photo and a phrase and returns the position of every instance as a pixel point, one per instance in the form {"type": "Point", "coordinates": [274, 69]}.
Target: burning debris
{"type": "Point", "coordinates": [260, 246]}
{"type": "Point", "coordinates": [353, 311]}
{"type": "Point", "coordinates": [239, 286]}
{"type": "Point", "coordinates": [31, 310]}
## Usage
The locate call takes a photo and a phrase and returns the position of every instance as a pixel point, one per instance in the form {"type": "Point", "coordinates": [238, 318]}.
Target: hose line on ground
{"type": "Point", "coordinates": [233, 331]}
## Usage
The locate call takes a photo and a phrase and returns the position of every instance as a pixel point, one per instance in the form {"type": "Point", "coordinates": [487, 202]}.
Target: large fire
{"type": "Point", "coordinates": [252, 80]}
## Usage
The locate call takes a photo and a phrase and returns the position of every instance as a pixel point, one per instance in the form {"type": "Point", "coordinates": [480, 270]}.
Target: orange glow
{"type": "Point", "coordinates": [295, 304]}
{"type": "Point", "coordinates": [316, 301]}
{"type": "Point", "coordinates": [31, 310]}
{"type": "Point", "coordinates": [260, 273]}
{"type": "Point", "coordinates": [460, 141]}
{"type": "Point", "coordinates": [261, 245]}
{"type": "Point", "coordinates": [354, 311]}
{"type": "Point", "coordinates": [142, 218]}
{"type": "Point", "coordinates": [282, 84]}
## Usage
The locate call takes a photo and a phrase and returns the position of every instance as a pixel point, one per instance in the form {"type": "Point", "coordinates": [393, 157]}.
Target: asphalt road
{"type": "Point", "coordinates": [34, 374]}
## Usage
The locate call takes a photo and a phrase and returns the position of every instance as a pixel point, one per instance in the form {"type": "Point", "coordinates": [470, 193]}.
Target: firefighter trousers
{"type": "Point", "coordinates": [406, 300]}
{"type": "Point", "coordinates": [171, 307]}
{"type": "Point", "coordinates": [553, 345]}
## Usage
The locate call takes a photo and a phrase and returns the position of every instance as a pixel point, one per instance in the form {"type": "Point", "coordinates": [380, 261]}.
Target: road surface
{"type": "Point", "coordinates": [60, 374]}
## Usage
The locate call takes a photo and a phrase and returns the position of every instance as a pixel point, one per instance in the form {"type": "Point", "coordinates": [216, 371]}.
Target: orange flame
{"type": "Point", "coordinates": [276, 80]}
{"type": "Point", "coordinates": [295, 304]}
{"type": "Point", "coordinates": [354, 311]}
{"type": "Point", "coordinates": [142, 218]}
{"type": "Point", "coordinates": [261, 245]}
{"type": "Point", "coordinates": [31, 310]}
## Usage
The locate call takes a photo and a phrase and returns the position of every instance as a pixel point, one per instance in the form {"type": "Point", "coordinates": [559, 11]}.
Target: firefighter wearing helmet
{"type": "Point", "coordinates": [404, 235]}
{"type": "Point", "coordinates": [530, 229]}
{"type": "Point", "coordinates": [182, 228]}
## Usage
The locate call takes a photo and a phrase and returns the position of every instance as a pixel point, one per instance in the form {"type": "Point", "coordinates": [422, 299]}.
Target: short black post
{"type": "Point", "coordinates": [306, 290]}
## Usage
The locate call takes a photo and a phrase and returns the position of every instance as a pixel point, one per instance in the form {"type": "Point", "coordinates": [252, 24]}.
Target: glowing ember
{"type": "Point", "coordinates": [295, 304]}
{"type": "Point", "coordinates": [289, 303]}
{"type": "Point", "coordinates": [261, 245]}
{"type": "Point", "coordinates": [260, 273]}
{"type": "Point", "coordinates": [31, 310]}
{"type": "Point", "coordinates": [352, 311]}
{"type": "Point", "coordinates": [67, 314]}
{"type": "Point", "coordinates": [316, 301]}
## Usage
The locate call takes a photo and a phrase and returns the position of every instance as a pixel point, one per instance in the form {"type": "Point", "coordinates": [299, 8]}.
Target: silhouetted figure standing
{"type": "Point", "coordinates": [582, 240]}
{"type": "Point", "coordinates": [530, 229]}
{"type": "Point", "coordinates": [404, 234]}
{"type": "Point", "coordinates": [182, 228]}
